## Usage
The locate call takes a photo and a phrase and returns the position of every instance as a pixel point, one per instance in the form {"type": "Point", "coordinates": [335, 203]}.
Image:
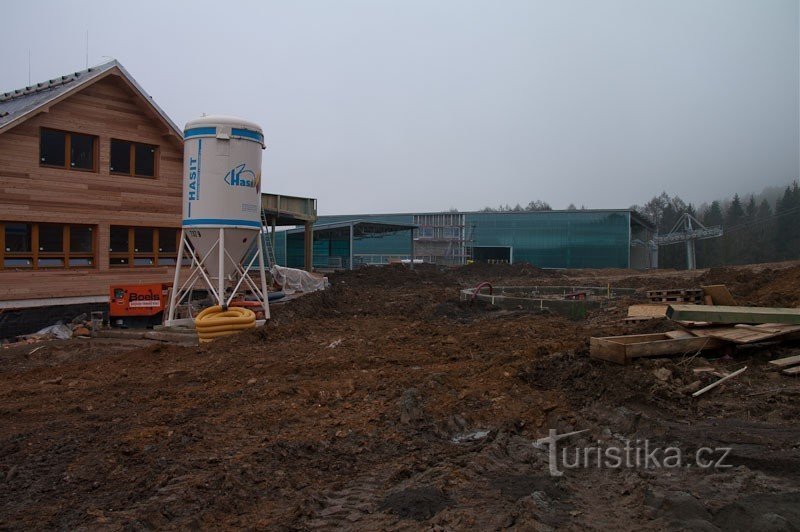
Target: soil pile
{"type": "Point", "coordinates": [386, 403]}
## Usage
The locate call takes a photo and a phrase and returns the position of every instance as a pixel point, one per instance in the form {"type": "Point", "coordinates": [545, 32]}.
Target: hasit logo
{"type": "Point", "coordinates": [241, 177]}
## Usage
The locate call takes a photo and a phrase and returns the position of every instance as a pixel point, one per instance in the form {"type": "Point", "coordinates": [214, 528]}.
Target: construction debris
{"type": "Point", "coordinates": [706, 327]}
{"type": "Point", "coordinates": [717, 383]}
{"type": "Point", "coordinates": [789, 365]}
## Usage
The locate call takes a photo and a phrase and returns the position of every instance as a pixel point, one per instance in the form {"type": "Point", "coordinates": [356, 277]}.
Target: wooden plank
{"type": "Point", "coordinates": [679, 334]}
{"type": "Point", "coordinates": [792, 371]}
{"type": "Point", "coordinates": [732, 314]}
{"type": "Point", "coordinates": [605, 350]}
{"type": "Point", "coordinates": [785, 362]}
{"type": "Point", "coordinates": [747, 334]}
{"type": "Point", "coordinates": [720, 295]}
{"type": "Point", "coordinates": [648, 311]}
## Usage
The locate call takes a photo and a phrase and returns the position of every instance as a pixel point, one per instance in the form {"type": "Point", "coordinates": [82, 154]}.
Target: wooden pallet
{"type": "Point", "coordinates": [696, 292]}
{"type": "Point", "coordinates": [677, 299]}
{"type": "Point", "coordinates": [676, 295]}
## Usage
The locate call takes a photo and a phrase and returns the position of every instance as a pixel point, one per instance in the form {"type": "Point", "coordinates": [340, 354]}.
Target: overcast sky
{"type": "Point", "coordinates": [378, 106]}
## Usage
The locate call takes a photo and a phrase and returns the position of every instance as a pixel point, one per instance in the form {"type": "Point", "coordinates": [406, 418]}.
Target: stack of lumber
{"type": "Point", "coordinates": [676, 295]}
{"type": "Point", "coordinates": [788, 365]}
{"type": "Point", "coordinates": [706, 327]}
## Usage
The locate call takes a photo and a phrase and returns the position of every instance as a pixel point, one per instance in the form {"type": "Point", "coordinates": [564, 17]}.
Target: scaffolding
{"type": "Point", "coordinates": [443, 238]}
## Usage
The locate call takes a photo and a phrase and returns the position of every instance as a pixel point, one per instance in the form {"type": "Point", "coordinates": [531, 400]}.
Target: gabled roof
{"type": "Point", "coordinates": [19, 105]}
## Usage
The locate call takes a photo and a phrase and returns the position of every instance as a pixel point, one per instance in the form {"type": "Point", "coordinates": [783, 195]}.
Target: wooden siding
{"type": "Point", "coordinates": [107, 108]}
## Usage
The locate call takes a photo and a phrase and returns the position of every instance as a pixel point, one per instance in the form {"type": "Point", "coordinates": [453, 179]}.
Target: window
{"type": "Point", "coordinates": [119, 250]}
{"type": "Point", "coordinates": [133, 158]}
{"type": "Point", "coordinates": [143, 246]}
{"type": "Point", "coordinates": [61, 149]}
{"type": "Point", "coordinates": [53, 148]}
{"type": "Point", "coordinates": [43, 245]}
{"type": "Point", "coordinates": [81, 151]}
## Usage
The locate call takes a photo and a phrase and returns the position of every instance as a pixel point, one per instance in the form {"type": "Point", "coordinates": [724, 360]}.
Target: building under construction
{"type": "Point", "coordinates": [548, 239]}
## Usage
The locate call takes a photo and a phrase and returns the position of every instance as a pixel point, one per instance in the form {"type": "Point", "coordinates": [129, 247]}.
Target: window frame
{"type": "Point", "coordinates": [68, 151]}
{"type": "Point", "coordinates": [131, 255]}
{"type": "Point", "coordinates": [36, 254]}
{"type": "Point", "coordinates": [132, 158]}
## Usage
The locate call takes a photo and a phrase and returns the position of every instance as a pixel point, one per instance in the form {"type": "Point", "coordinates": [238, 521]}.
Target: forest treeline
{"type": "Point", "coordinates": [756, 228]}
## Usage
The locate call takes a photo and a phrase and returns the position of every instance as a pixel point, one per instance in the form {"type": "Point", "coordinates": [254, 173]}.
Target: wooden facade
{"type": "Point", "coordinates": [107, 107]}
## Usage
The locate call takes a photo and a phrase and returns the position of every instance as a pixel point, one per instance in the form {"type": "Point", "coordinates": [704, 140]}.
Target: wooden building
{"type": "Point", "coordinates": [90, 189]}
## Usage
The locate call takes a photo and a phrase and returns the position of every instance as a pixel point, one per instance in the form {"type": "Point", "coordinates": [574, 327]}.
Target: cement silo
{"type": "Point", "coordinates": [221, 208]}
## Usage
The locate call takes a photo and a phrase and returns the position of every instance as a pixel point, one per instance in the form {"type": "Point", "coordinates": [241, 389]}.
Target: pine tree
{"type": "Point", "coordinates": [787, 230]}
{"type": "Point", "coordinates": [735, 214]}
{"type": "Point", "coordinates": [752, 209]}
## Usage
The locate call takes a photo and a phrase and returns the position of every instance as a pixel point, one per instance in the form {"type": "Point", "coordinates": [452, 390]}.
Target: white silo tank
{"type": "Point", "coordinates": [222, 185]}
{"type": "Point", "coordinates": [221, 197]}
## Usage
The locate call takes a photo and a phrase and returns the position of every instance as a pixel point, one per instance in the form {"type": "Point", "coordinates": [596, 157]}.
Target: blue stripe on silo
{"type": "Point", "coordinates": [248, 134]}
{"type": "Point", "coordinates": [221, 221]}
{"type": "Point", "coordinates": [198, 131]}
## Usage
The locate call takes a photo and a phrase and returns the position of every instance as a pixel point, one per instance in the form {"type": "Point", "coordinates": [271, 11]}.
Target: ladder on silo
{"type": "Point", "coordinates": [269, 251]}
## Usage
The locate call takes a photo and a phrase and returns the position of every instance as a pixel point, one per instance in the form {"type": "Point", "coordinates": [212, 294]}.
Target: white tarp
{"type": "Point", "coordinates": [293, 280]}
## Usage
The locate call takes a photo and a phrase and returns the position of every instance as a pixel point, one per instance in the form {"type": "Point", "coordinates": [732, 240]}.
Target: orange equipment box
{"type": "Point", "coordinates": [138, 299]}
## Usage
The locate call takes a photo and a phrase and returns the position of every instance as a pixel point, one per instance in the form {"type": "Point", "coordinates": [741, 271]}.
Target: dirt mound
{"type": "Point", "coordinates": [386, 402]}
{"type": "Point", "coordinates": [419, 504]}
{"type": "Point", "coordinates": [770, 287]}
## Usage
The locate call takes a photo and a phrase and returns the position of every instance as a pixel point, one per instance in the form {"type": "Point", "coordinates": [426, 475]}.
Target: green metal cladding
{"type": "Point", "coordinates": [547, 239]}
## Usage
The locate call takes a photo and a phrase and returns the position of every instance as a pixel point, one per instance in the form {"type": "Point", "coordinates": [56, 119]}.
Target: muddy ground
{"type": "Point", "coordinates": [386, 404]}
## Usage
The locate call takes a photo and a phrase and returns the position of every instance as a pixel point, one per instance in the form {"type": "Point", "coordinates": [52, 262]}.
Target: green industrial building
{"type": "Point", "coordinates": [547, 239]}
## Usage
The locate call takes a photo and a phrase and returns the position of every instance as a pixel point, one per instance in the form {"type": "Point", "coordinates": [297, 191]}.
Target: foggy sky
{"type": "Point", "coordinates": [378, 106]}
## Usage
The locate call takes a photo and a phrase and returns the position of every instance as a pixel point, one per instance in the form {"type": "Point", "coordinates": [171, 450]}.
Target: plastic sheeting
{"type": "Point", "coordinates": [293, 280]}
{"type": "Point", "coordinates": [58, 331]}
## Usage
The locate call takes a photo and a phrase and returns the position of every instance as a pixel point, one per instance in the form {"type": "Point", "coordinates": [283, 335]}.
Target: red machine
{"type": "Point", "coordinates": [139, 305]}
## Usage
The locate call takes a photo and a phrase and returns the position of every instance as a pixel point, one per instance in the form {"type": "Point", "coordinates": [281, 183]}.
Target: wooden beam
{"type": "Point", "coordinates": [785, 362]}
{"type": "Point", "coordinates": [730, 314]}
{"type": "Point", "coordinates": [720, 295]}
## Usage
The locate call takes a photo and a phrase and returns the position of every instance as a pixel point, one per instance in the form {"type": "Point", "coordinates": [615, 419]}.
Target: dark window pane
{"type": "Point", "coordinates": [166, 261]}
{"type": "Point", "coordinates": [80, 263]}
{"type": "Point", "coordinates": [143, 240]}
{"type": "Point", "coordinates": [145, 160]}
{"type": "Point", "coordinates": [51, 263]}
{"type": "Point", "coordinates": [143, 261]}
{"type": "Point", "coordinates": [51, 237]}
{"type": "Point", "coordinates": [119, 239]}
{"type": "Point", "coordinates": [81, 151]}
{"type": "Point", "coordinates": [121, 156]}
{"type": "Point", "coordinates": [52, 147]}
{"type": "Point", "coordinates": [81, 239]}
{"type": "Point", "coordinates": [167, 240]}
{"type": "Point", "coordinates": [116, 261]}
{"type": "Point", "coordinates": [17, 263]}
{"type": "Point", "coordinates": [18, 237]}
